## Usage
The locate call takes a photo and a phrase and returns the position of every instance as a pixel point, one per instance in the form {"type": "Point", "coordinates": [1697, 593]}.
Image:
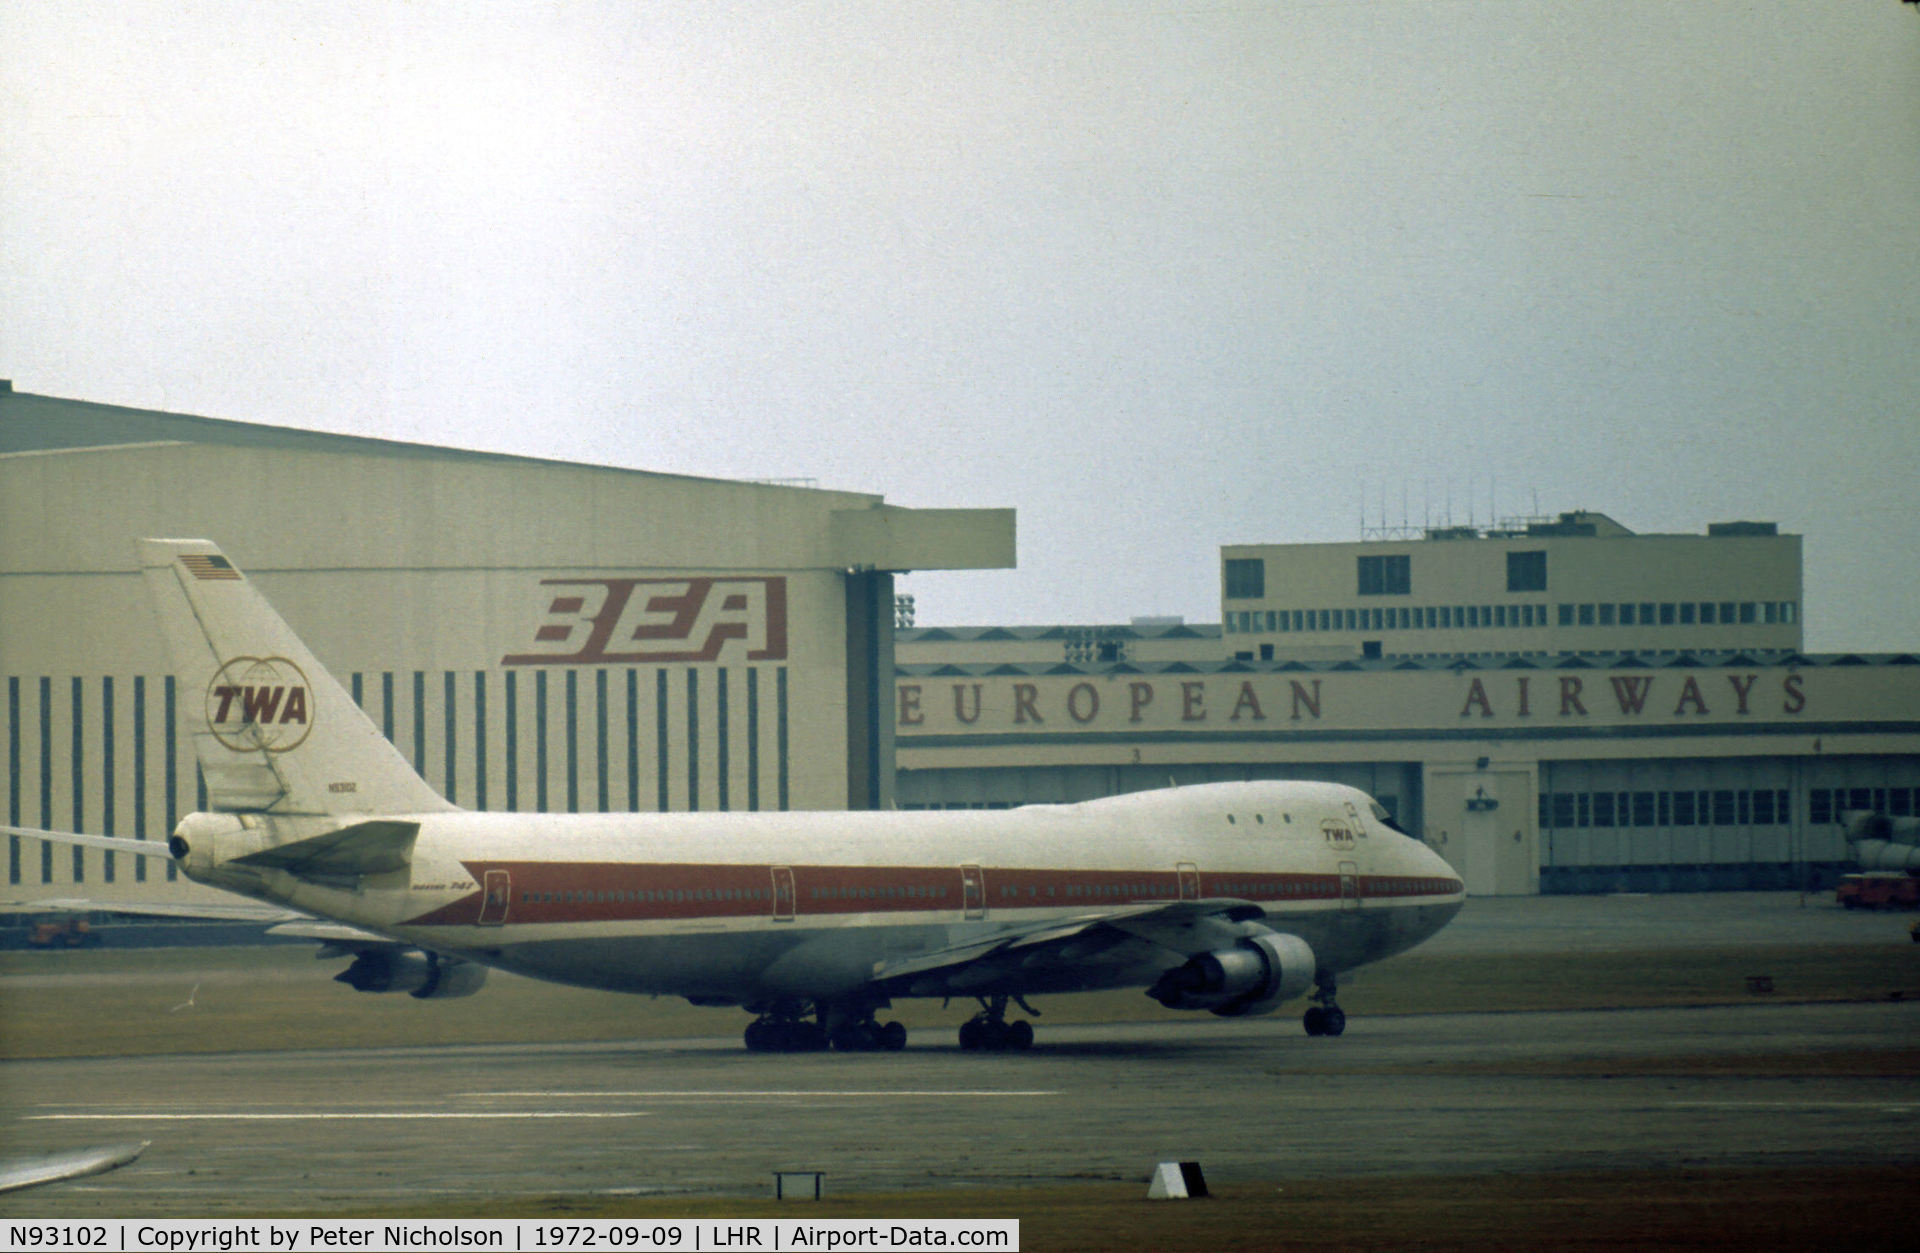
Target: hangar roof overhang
{"type": "Point", "coordinates": [842, 530]}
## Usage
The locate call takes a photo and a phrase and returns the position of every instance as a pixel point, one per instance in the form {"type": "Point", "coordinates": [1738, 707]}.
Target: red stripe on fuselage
{"type": "Point", "coordinates": [567, 892]}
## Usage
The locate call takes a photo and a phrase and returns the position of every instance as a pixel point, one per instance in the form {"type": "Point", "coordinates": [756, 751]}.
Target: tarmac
{"type": "Point", "coordinates": [1762, 1084]}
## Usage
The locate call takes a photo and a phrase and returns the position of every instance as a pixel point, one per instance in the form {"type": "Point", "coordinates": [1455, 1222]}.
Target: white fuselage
{"type": "Point", "coordinates": [754, 907]}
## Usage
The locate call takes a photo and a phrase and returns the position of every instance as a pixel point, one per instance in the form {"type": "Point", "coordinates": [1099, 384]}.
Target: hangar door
{"type": "Point", "coordinates": [1484, 823]}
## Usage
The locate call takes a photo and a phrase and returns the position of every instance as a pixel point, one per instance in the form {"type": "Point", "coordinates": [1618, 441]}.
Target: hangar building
{"type": "Point", "coordinates": [533, 635]}
{"type": "Point", "coordinates": [1556, 704]}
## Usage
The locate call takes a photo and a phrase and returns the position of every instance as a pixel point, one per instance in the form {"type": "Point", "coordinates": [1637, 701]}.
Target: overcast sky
{"type": "Point", "coordinates": [1160, 277]}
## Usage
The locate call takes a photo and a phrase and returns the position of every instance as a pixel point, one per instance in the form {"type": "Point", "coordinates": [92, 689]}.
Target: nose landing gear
{"type": "Point", "coordinates": [1324, 1017]}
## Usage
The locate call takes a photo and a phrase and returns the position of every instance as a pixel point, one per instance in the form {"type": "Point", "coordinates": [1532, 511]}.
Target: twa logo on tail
{"type": "Point", "coordinates": [260, 703]}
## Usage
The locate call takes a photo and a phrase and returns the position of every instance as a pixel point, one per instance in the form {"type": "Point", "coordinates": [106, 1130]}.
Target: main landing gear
{"type": "Point", "coordinates": [989, 1031]}
{"type": "Point", "coordinates": [1323, 1017]}
{"type": "Point", "coordinates": [783, 1028]}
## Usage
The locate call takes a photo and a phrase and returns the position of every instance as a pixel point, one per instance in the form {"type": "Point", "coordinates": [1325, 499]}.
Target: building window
{"type": "Point", "coordinates": [1565, 614]}
{"type": "Point", "coordinates": [1390, 575]}
{"type": "Point", "coordinates": [1246, 578]}
{"type": "Point", "coordinates": [1686, 613]}
{"type": "Point", "coordinates": [1787, 611]}
{"type": "Point", "coordinates": [1746, 613]}
{"type": "Point", "coordinates": [1527, 572]}
{"type": "Point", "coordinates": [1606, 614]}
{"type": "Point", "coordinates": [1706, 613]}
{"type": "Point", "coordinates": [1586, 615]}
{"type": "Point", "coordinates": [1666, 614]}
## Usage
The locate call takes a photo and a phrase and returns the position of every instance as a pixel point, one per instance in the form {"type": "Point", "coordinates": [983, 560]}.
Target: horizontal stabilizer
{"type": "Point", "coordinates": [160, 909]}
{"type": "Point", "coordinates": [111, 843]}
{"type": "Point", "coordinates": [365, 848]}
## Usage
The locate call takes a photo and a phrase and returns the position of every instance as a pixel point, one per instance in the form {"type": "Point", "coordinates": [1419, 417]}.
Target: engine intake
{"type": "Point", "coordinates": [1252, 977]}
{"type": "Point", "coordinates": [423, 976]}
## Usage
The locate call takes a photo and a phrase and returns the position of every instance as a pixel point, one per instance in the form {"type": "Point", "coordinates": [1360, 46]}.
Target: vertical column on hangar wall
{"type": "Point", "coordinates": [870, 730]}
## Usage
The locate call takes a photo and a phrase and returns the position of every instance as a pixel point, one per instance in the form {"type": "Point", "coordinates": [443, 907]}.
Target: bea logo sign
{"type": "Point", "coordinates": [595, 622]}
{"type": "Point", "coordinates": [260, 703]}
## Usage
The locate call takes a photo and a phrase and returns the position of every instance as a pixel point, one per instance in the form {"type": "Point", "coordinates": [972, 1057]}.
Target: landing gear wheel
{"type": "Point", "coordinates": [893, 1037]}
{"type": "Point", "coordinates": [856, 1037]}
{"type": "Point", "coordinates": [771, 1034]}
{"type": "Point", "coordinates": [978, 1034]}
{"type": "Point", "coordinates": [1324, 1017]}
{"type": "Point", "coordinates": [989, 1030]}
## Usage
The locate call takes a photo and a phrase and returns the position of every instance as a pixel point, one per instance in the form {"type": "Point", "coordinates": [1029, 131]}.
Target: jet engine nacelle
{"type": "Point", "coordinates": [424, 976]}
{"type": "Point", "coordinates": [1868, 826]}
{"type": "Point", "coordinates": [1252, 977]}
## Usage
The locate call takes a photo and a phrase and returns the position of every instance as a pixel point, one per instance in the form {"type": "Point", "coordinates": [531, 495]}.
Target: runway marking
{"type": "Point", "coordinates": [336, 1116]}
{"type": "Point", "coordinates": [1888, 1107]}
{"type": "Point", "coordinates": [757, 1093]}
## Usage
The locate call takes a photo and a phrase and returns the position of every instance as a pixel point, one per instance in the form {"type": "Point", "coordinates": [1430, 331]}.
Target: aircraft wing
{"type": "Point", "coordinates": [31, 1172]}
{"type": "Point", "coordinates": [337, 936]}
{"type": "Point", "coordinates": [1185, 927]}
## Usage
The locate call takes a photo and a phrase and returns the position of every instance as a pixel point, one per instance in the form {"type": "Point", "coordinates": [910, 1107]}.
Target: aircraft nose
{"type": "Point", "coordinates": [1438, 866]}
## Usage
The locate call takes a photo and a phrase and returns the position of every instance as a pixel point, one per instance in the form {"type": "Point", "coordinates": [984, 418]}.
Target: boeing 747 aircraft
{"type": "Point", "coordinates": [1230, 897]}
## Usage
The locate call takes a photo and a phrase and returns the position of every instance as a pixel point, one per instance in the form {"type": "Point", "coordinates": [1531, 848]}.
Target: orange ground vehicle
{"type": "Point", "coordinates": [1879, 890]}
{"type": "Point", "coordinates": [62, 933]}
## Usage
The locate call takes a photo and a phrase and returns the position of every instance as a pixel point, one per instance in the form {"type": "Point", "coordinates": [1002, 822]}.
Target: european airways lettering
{"type": "Point", "coordinates": [1249, 702]}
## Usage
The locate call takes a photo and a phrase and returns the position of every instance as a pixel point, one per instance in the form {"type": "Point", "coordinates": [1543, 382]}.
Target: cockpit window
{"type": "Point", "coordinates": [1385, 818]}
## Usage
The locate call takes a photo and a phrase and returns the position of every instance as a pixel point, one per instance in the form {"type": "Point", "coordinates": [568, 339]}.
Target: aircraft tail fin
{"type": "Point", "coordinates": [273, 731]}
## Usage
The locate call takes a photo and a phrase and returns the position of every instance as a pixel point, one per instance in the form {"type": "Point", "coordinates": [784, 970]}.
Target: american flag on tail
{"type": "Point", "coordinates": [209, 566]}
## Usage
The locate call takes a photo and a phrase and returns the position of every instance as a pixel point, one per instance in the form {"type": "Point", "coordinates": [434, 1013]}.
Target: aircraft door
{"type": "Point", "coordinates": [973, 892]}
{"type": "Point", "coordinates": [1349, 885]}
{"type": "Point", "coordinates": [495, 888]}
{"type": "Point", "coordinates": [1189, 876]}
{"type": "Point", "coordinates": [783, 893]}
